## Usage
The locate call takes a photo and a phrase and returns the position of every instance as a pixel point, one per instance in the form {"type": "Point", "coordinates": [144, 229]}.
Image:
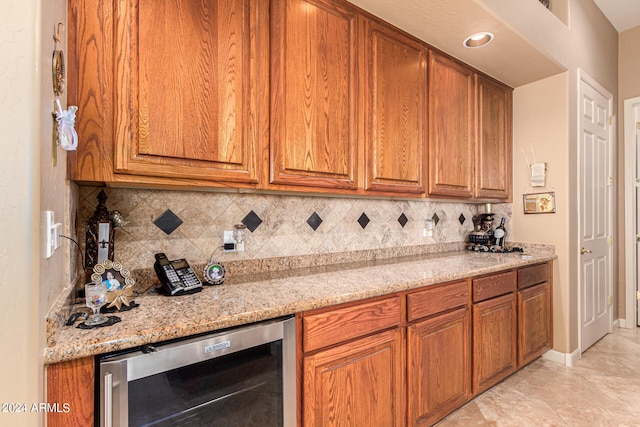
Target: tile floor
{"type": "Point", "coordinates": [602, 389]}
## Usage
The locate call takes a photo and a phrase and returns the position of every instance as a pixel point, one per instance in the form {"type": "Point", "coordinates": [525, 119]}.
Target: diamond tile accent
{"type": "Point", "coordinates": [168, 221]}
{"type": "Point", "coordinates": [363, 220]}
{"type": "Point", "coordinates": [314, 221]}
{"type": "Point", "coordinates": [403, 220]}
{"type": "Point", "coordinates": [252, 221]}
{"type": "Point", "coordinates": [462, 219]}
{"type": "Point", "coordinates": [435, 218]}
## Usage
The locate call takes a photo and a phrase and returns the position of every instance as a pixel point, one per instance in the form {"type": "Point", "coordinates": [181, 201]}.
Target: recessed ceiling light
{"type": "Point", "coordinates": [478, 39]}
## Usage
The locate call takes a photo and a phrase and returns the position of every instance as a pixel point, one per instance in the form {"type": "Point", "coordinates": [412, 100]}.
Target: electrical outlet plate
{"type": "Point", "coordinates": [229, 240]}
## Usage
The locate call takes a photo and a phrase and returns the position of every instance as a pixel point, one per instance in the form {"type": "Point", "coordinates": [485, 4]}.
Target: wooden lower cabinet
{"type": "Point", "coordinates": [439, 366]}
{"type": "Point", "coordinates": [359, 383]}
{"type": "Point", "coordinates": [494, 341]}
{"type": "Point", "coordinates": [535, 331]}
{"type": "Point", "coordinates": [71, 383]}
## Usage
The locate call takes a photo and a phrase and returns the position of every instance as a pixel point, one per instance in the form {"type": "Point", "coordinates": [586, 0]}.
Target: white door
{"type": "Point", "coordinates": [636, 140]}
{"type": "Point", "coordinates": [595, 211]}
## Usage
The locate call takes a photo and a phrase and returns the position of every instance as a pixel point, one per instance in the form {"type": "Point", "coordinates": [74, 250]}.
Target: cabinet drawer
{"type": "Point", "coordinates": [436, 300]}
{"type": "Point", "coordinates": [495, 285]}
{"type": "Point", "coordinates": [529, 276]}
{"type": "Point", "coordinates": [331, 327]}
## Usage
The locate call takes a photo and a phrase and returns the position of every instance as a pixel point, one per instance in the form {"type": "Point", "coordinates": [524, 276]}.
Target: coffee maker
{"type": "Point", "coordinates": [486, 238]}
{"type": "Point", "coordinates": [481, 239]}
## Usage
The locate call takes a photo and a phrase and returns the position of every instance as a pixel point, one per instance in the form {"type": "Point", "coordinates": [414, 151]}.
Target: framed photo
{"type": "Point", "coordinates": [119, 285]}
{"type": "Point", "coordinates": [537, 203]}
{"type": "Point", "coordinates": [113, 274]}
{"type": "Point", "coordinates": [214, 273]}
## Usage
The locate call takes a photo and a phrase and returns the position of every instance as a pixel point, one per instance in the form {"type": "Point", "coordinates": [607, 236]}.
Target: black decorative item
{"type": "Point", "coordinates": [112, 321]}
{"type": "Point", "coordinates": [252, 221]}
{"type": "Point", "coordinates": [168, 222]}
{"type": "Point", "coordinates": [363, 220]}
{"type": "Point", "coordinates": [403, 220]}
{"type": "Point", "coordinates": [99, 236]}
{"type": "Point", "coordinates": [314, 221]}
{"type": "Point", "coordinates": [545, 3]}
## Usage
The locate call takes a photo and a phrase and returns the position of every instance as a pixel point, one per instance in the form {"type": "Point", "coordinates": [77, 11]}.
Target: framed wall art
{"type": "Point", "coordinates": [539, 203]}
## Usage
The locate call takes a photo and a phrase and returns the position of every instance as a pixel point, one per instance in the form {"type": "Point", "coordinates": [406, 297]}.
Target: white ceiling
{"type": "Point", "coordinates": [623, 14]}
{"type": "Point", "coordinates": [510, 57]}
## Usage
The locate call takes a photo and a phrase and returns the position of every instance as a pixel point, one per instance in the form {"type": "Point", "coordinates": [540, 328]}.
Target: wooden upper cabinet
{"type": "Point", "coordinates": [494, 145]}
{"type": "Point", "coordinates": [395, 114]}
{"type": "Point", "coordinates": [313, 123]}
{"type": "Point", "coordinates": [169, 91]}
{"type": "Point", "coordinates": [451, 127]}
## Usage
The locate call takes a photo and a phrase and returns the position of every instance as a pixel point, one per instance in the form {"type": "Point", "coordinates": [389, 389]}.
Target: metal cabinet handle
{"type": "Point", "coordinates": [108, 400]}
{"type": "Point", "coordinates": [584, 251]}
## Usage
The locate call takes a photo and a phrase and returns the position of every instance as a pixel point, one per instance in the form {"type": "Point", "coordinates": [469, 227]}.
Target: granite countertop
{"type": "Point", "coordinates": [251, 298]}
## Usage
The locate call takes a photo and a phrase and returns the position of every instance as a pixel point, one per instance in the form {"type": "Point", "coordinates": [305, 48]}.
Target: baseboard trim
{"type": "Point", "coordinates": [562, 358]}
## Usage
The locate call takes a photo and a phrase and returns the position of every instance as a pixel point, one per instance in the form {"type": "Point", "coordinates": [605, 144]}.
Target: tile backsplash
{"type": "Point", "coordinates": [277, 225]}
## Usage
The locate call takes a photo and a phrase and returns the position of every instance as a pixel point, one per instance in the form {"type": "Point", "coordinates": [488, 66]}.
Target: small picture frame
{"type": "Point", "coordinates": [539, 203]}
{"type": "Point", "coordinates": [119, 284]}
{"type": "Point", "coordinates": [214, 273]}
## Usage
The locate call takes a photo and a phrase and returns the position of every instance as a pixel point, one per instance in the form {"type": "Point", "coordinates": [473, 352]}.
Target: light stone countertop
{"type": "Point", "coordinates": [248, 299]}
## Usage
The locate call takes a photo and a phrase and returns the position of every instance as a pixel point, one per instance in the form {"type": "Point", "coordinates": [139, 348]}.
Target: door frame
{"type": "Point", "coordinates": [586, 78]}
{"type": "Point", "coordinates": [630, 249]}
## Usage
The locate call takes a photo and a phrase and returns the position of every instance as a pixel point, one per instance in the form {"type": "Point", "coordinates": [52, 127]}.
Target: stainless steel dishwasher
{"type": "Point", "coordinates": [243, 376]}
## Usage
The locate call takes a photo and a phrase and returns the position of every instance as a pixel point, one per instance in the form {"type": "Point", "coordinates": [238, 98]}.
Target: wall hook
{"type": "Point", "coordinates": [57, 33]}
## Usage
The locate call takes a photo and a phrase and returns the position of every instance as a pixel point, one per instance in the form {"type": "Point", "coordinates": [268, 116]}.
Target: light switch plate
{"type": "Point", "coordinates": [52, 234]}
{"type": "Point", "coordinates": [49, 226]}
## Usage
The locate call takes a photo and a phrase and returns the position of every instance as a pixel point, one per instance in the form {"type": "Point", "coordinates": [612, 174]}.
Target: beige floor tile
{"type": "Point", "coordinates": [602, 390]}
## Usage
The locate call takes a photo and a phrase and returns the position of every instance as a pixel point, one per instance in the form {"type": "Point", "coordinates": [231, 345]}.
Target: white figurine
{"type": "Point", "coordinates": [67, 135]}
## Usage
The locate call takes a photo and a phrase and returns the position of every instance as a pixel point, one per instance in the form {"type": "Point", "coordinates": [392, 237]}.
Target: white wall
{"type": "Point", "coordinates": [20, 357]}
{"type": "Point", "coordinates": [540, 113]}
{"type": "Point", "coordinates": [29, 184]}
{"type": "Point", "coordinates": [53, 177]}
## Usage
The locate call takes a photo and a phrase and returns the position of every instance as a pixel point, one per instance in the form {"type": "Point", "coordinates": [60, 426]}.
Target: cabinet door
{"type": "Point", "coordinates": [535, 330]}
{"type": "Point", "coordinates": [169, 91]}
{"type": "Point", "coordinates": [494, 341]}
{"type": "Point", "coordinates": [439, 366]}
{"type": "Point", "coordinates": [395, 110]}
{"type": "Point", "coordinates": [70, 385]}
{"type": "Point", "coordinates": [356, 384]}
{"type": "Point", "coordinates": [313, 94]}
{"type": "Point", "coordinates": [185, 105]}
{"type": "Point", "coordinates": [451, 128]}
{"type": "Point", "coordinates": [494, 147]}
